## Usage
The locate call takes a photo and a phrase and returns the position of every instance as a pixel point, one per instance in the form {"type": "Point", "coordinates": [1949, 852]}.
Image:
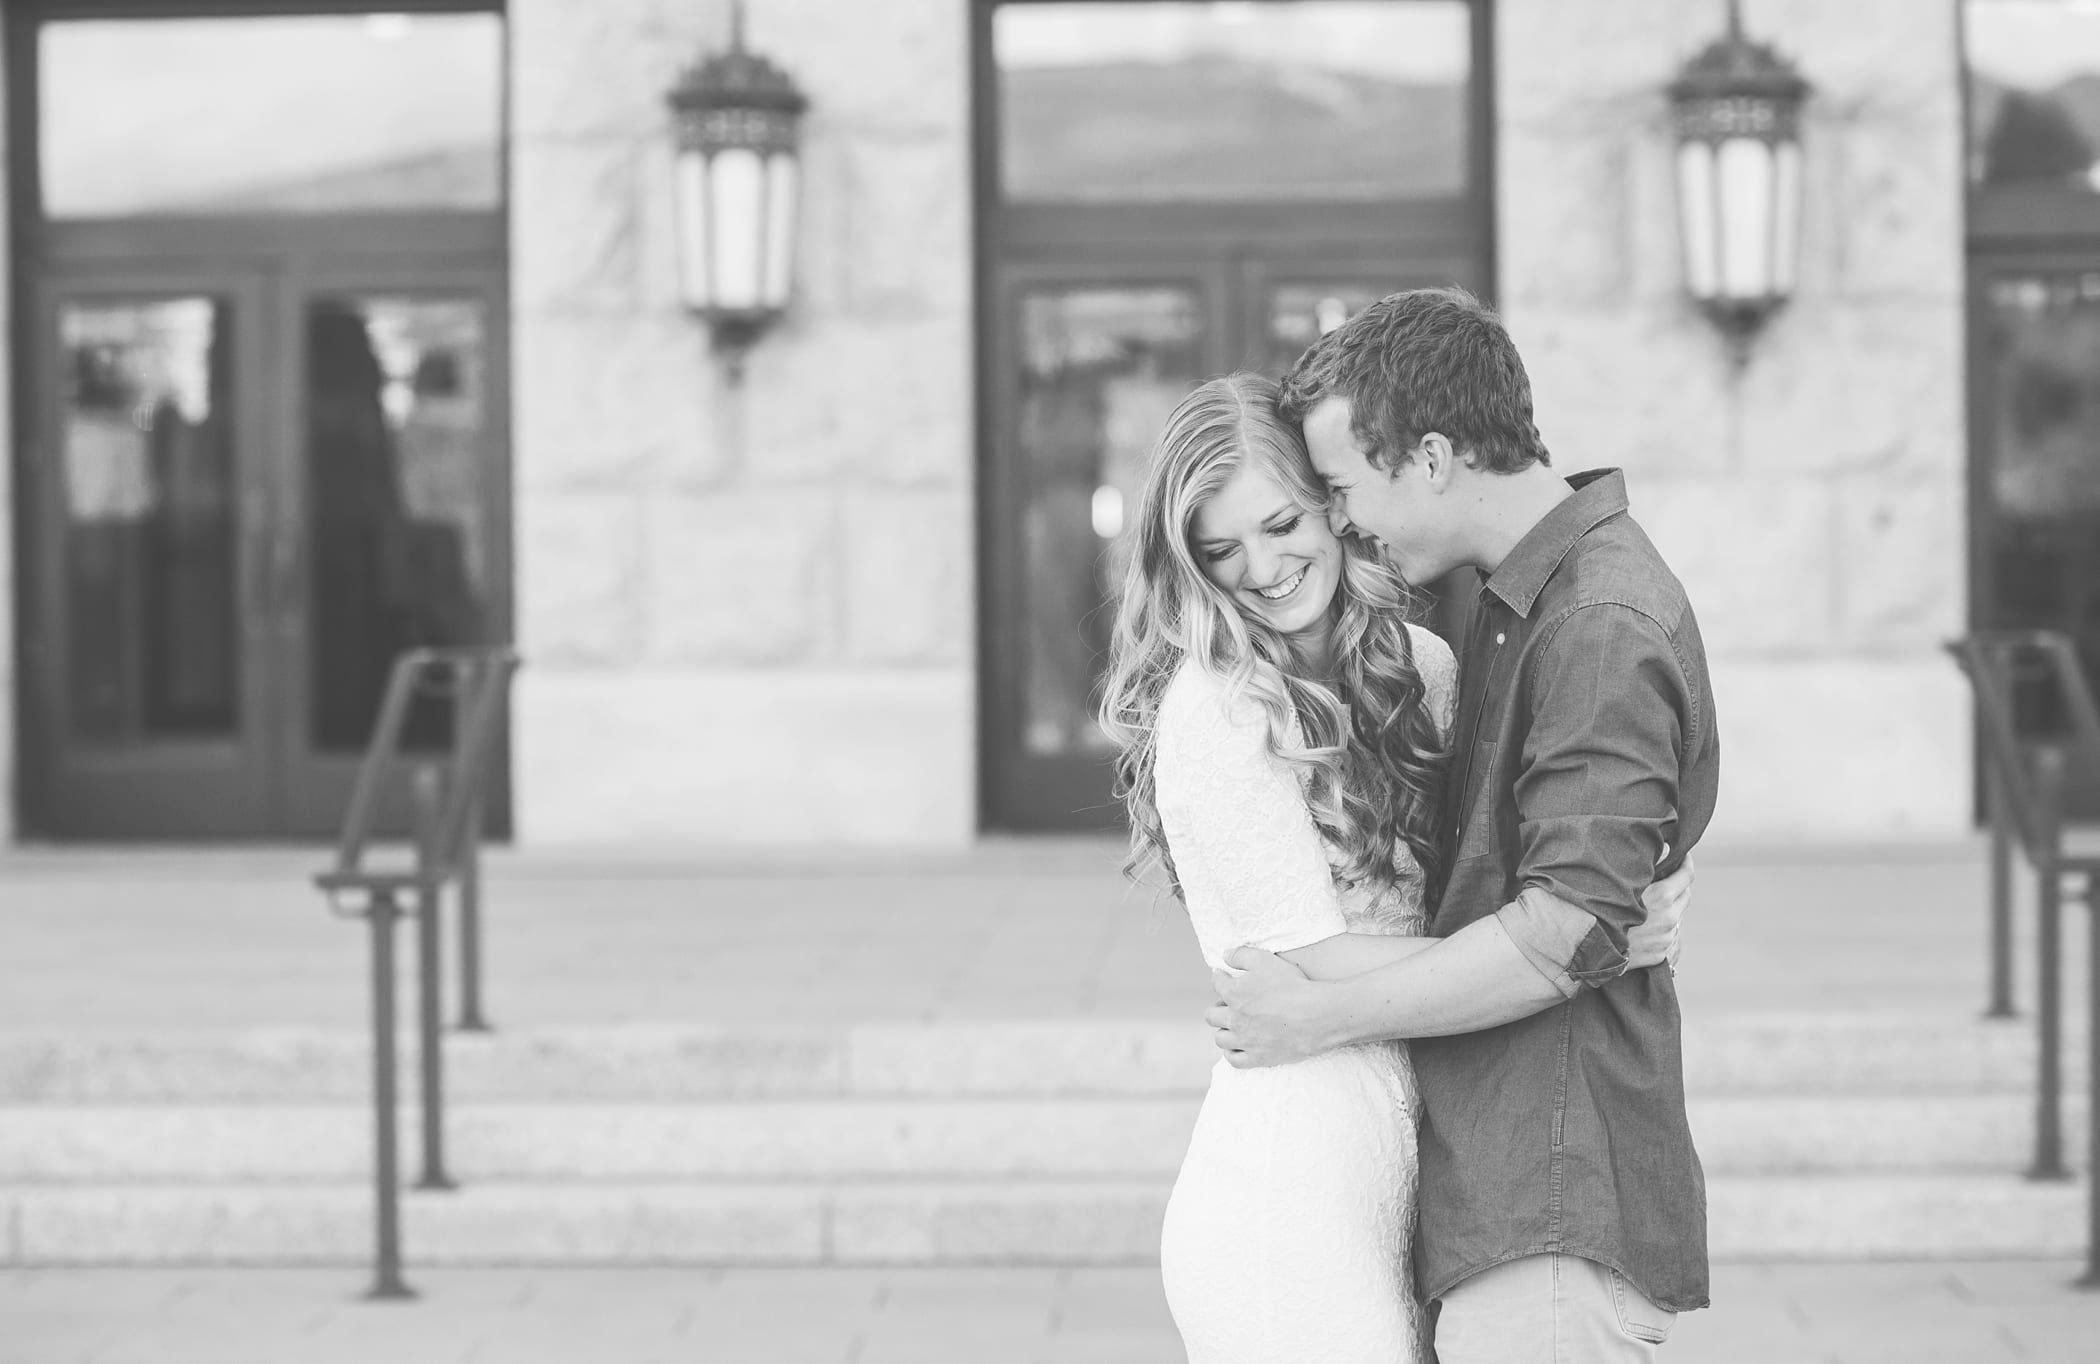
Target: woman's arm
{"type": "Point", "coordinates": [1652, 943]}
{"type": "Point", "coordinates": [1351, 954]}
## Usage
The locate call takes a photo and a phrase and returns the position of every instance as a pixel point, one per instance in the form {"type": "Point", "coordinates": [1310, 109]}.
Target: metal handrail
{"type": "Point", "coordinates": [447, 802]}
{"type": "Point", "coordinates": [2026, 782]}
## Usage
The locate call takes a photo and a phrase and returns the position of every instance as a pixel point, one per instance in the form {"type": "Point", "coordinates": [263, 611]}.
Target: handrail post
{"type": "Point", "coordinates": [386, 1179]}
{"type": "Point", "coordinates": [2001, 926]}
{"type": "Point", "coordinates": [2049, 1118]}
{"type": "Point", "coordinates": [430, 939]}
{"type": "Point", "coordinates": [470, 1015]}
{"type": "Point", "coordinates": [2091, 1277]}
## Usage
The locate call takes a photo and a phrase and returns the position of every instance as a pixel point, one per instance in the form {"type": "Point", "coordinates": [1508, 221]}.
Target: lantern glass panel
{"type": "Point", "coordinates": [1259, 100]}
{"type": "Point", "coordinates": [1743, 176]}
{"type": "Point", "coordinates": [1698, 220]}
{"type": "Point", "coordinates": [781, 188]}
{"type": "Point", "coordinates": [314, 113]}
{"type": "Point", "coordinates": [2034, 93]}
{"type": "Point", "coordinates": [737, 198]}
{"type": "Point", "coordinates": [695, 276]}
{"type": "Point", "coordinates": [1786, 217]}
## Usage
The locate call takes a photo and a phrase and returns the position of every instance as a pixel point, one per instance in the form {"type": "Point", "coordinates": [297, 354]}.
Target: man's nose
{"type": "Point", "coordinates": [1337, 518]}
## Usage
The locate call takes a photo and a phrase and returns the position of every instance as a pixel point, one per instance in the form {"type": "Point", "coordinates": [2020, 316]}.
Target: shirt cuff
{"type": "Point", "coordinates": [1548, 931]}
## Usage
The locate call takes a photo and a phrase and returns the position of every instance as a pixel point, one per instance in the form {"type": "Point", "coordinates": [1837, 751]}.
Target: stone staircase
{"type": "Point", "coordinates": [1823, 1136]}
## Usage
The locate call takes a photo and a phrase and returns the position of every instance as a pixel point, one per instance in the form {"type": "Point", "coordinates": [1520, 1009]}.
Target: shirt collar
{"type": "Point", "coordinates": [1599, 495]}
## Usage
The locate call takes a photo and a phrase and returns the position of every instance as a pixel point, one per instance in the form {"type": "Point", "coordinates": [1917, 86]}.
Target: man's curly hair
{"type": "Point", "coordinates": [1420, 361]}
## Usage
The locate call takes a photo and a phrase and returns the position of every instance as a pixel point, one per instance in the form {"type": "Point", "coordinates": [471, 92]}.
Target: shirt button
{"type": "Point", "coordinates": [1498, 637]}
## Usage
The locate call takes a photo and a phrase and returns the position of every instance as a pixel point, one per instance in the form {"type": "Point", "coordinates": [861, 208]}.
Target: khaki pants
{"type": "Point", "coordinates": [1549, 1309]}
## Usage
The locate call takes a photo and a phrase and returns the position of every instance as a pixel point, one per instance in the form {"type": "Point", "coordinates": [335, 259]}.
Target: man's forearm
{"type": "Point", "coordinates": [1476, 978]}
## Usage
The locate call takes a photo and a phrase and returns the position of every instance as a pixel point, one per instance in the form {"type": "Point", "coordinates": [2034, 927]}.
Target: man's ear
{"type": "Point", "coordinates": [1439, 460]}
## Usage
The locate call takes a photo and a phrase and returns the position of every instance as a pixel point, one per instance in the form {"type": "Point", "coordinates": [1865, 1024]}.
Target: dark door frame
{"type": "Point", "coordinates": [1107, 243]}
{"type": "Point", "coordinates": [404, 252]}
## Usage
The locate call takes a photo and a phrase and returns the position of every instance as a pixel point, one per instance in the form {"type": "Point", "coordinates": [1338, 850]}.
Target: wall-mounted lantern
{"type": "Point", "coordinates": [1738, 115]}
{"type": "Point", "coordinates": [737, 178]}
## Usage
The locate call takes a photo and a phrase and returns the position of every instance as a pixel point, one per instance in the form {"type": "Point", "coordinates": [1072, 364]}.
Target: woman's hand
{"type": "Point", "coordinates": [1665, 901]}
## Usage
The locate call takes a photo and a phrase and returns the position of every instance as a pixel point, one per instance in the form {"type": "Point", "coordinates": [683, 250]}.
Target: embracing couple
{"type": "Point", "coordinates": [1438, 894]}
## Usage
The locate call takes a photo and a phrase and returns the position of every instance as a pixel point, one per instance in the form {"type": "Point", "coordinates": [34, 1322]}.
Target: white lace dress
{"type": "Point", "coordinates": [1287, 1238]}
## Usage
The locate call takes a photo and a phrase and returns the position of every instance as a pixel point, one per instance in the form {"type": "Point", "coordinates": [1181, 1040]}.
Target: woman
{"type": "Point", "coordinates": [1280, 732]}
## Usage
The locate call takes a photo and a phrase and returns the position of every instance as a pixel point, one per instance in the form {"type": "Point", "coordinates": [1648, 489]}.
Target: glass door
{"type": "Point", "coordinates": [1090, 364]}
{"type": "Point", "coordinates": [148, 626]}
{"type": "Point", "coordinates": [1091, 360]}
{"type": "Point", "coordinates": [260, 378]}
{"type": "Point", "coordinates": [2035, 466]}
{"type": "Point", "coordinates": [254, 488]}
{"type": "Point", "coordinates": [395, 501]}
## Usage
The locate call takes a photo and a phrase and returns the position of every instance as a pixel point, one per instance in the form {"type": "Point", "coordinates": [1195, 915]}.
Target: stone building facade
{"type": "Point", "coordinates": [749, 610]}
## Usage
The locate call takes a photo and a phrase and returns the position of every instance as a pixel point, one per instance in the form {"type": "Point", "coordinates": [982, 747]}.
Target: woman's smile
{"type": "Point", "coordinates": [1283, 590]}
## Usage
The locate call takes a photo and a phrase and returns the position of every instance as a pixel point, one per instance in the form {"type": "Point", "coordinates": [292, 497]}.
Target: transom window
{"type": "Point", "coordinates": [1326, 99]}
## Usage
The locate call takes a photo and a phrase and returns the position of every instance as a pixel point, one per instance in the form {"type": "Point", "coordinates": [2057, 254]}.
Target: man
{"type": "Point", "coordinates": [1563, 1207]}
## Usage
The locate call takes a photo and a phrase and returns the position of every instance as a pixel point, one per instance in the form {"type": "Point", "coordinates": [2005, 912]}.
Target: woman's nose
{"type": "Point", "coordinates": [1262, 566]}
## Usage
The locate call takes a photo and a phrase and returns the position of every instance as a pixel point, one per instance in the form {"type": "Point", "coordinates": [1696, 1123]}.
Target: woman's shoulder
{"type": "Point", "coordinates": [1432, 654]}
{"type": "Point", "coordinates": [1438, 669]}
{"type": "Point", "coordinates": [1199, 706]}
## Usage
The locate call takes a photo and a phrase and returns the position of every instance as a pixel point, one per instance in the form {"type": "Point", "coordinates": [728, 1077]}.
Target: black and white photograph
{"type": "Point", "coordinates": [1050, 682]}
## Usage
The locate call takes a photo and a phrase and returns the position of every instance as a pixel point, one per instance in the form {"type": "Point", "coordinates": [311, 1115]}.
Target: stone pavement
{"type": "Point", "coordinates": [175, 941]}
{"type": "Point", "coordinates": [1972, 1313]}
{"type": "Point", "coordinates": [1009, 930]}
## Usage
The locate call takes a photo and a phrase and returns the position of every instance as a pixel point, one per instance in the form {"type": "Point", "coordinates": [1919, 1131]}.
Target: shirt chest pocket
{"type": "Point", "coordinates": [1476, 833]}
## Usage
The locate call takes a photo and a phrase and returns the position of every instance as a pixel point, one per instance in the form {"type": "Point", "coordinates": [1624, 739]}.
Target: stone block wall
{"type": "Point", "coordinates": [745, 609]}
{"type": "Point", "coordinates": [1814, 502]}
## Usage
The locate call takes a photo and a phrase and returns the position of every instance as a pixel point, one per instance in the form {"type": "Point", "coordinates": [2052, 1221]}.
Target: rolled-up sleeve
{"type": "Point", "coordinates": [1549, 932]}
{"type": "Point", "coordinates": [1596, 790]}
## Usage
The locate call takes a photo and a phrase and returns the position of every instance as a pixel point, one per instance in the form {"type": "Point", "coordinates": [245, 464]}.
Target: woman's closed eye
{"type": "Point", "coordinates": [1220, 554]}
{"type": "Point", "coordinates": [1286, 527]}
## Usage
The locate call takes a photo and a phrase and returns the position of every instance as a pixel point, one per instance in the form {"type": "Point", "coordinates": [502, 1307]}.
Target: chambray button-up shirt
{"type": "Point", "coordinates": [1584, 749]}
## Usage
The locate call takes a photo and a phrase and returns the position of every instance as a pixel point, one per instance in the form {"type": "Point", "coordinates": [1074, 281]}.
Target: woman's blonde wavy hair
{"type": "Point", "coordinates": [1370, 755]}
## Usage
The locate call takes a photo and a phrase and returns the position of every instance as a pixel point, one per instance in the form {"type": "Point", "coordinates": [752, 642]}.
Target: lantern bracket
{"type": "Point", "coordinates": [1739, 320]}
{"type": "Point", "coordinates": [734, 332]}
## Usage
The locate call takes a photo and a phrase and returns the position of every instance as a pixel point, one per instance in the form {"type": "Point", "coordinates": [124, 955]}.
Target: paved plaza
{"type": "Point", "coordinates": [164, 942]}
{"type": "Point", "coordinates": [1009, 930]}
{"type": "Point", "coordinates": [1971, 1313]}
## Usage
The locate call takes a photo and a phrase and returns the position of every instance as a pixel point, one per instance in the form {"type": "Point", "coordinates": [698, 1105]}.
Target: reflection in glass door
{"type": "Point", "coordinates": [2037, 477]}
{"type": "Point", "coordinates": [140, 632]}
{"type": "Point", "coordinates": [398, 511]}
{"type": "Point", "coordinates": [151, 530]}
{"type": "Point", "coordinates": [1094, 372]}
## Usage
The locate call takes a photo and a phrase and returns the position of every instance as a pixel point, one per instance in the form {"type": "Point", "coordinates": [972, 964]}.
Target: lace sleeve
{"type": "Point", "coordinates": [1252, 865]}
{"type": "Point", "coordinates": [1439, 669]}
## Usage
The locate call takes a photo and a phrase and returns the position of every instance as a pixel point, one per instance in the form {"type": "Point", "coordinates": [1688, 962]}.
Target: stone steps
{"type": "Point", "coordinates": [956, 1143]}
{"type": "Point", "coordinates": [1754, 1054]}
{"type": "Point", "coordinates": [947, 1222]}
{"type": "Point", "coordinates": [892, 1138]}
